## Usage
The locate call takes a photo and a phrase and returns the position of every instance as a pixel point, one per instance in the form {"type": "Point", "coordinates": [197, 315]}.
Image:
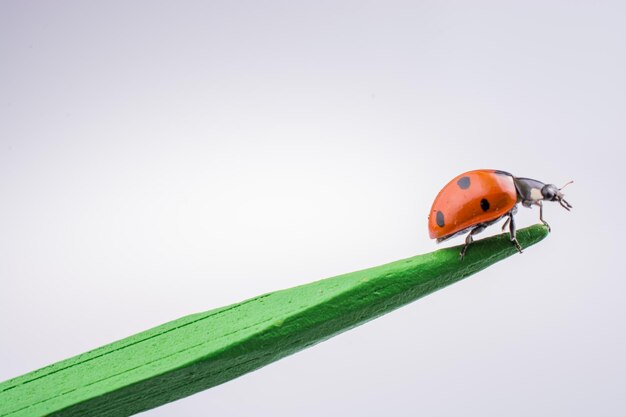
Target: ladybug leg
{"type": "Point", "coordinates": [469, 239]}
{"type": "Point", "coordinates": [541, 216]}
{"type": "Point", "coordinates": [512, 233]}
{"type": "Point", "coordinates": [506, 223]}
{"type": "Point", "coordinates": [508, 219]}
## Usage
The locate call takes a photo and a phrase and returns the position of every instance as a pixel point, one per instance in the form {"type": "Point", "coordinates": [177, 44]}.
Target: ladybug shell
{"type": "Point", "coordinates": [472, 198]}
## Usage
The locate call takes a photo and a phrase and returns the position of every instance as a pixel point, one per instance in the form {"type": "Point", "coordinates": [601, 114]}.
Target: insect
{"type": "Point", "coordinates": [477, 199]}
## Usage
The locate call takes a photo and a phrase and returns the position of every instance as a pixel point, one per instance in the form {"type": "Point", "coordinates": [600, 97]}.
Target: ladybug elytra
{"type": "Point", "coordinates": [477, 199]}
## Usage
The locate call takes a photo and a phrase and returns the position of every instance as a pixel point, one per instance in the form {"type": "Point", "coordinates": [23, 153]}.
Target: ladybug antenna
{"type": "Point", "coordinates": [559, 197]}
{"type": "Point", "coordinates": [566, 184]}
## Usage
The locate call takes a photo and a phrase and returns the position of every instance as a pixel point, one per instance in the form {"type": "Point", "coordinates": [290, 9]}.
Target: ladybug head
{"type": "Point", "coordinates": [550, 192]}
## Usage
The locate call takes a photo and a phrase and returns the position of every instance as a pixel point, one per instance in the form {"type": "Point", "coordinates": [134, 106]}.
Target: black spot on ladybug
{"type": "Point", "coordinates": [464, 183]}
{"type": "Point", "coordinates": [484, 204]}
{"type": "Point", "coordinates": [439, 219]}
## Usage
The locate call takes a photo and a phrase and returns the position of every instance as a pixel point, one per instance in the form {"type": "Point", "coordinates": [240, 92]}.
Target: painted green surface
{"type": "Point", "coordinates": [202, 350]}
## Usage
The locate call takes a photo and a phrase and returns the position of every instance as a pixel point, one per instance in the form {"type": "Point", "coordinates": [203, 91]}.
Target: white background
{"type": "Point", "coordinates": [163, 158]}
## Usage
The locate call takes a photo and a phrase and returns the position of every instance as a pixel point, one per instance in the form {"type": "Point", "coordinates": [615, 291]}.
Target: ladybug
{"type": "Point", "coordinates": [477, 199]}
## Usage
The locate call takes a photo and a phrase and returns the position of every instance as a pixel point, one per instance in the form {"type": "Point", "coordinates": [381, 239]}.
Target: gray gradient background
{"type": "Point", "coordinates": [163, 158]}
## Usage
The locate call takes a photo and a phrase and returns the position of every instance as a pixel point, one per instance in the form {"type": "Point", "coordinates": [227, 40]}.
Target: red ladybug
{"type": "Point", "coordinates": [476, 199]}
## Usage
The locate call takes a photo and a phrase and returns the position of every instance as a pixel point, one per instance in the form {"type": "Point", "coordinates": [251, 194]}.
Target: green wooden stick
{"type": "Point", "coordinates": [202, 350]}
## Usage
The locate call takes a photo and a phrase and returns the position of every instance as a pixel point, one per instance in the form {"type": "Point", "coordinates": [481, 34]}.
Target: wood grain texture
{"type": "Point", "coordinates": [202, 350]}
